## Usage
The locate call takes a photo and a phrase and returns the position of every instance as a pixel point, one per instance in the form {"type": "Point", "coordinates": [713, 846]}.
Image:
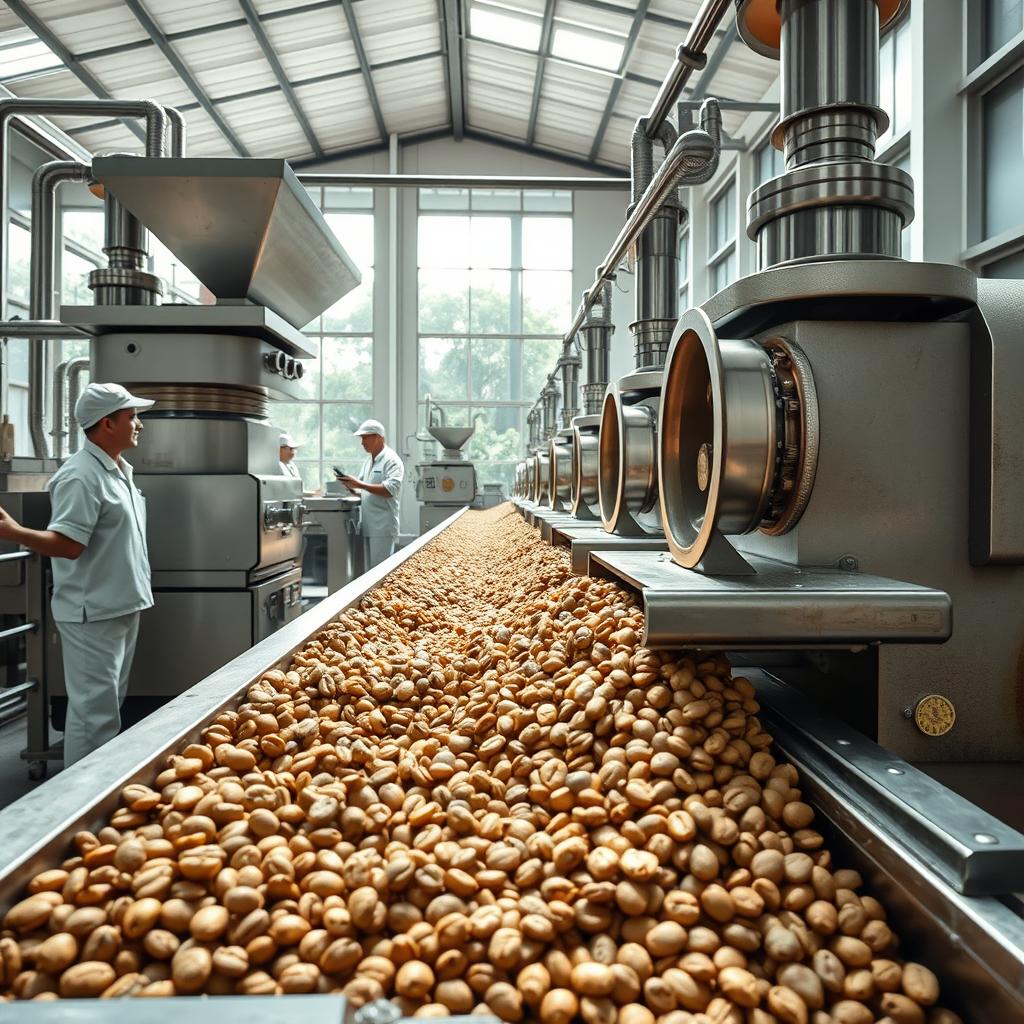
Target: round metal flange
{"type": "Point", "coordinates": [540, 479]}
{"type": "Point", "coordinates": [584, 469]}
{"type": "Point", "coordinates": [760, 24]}
{"type": "Point", "coordinates": [559, 471]}
{"type": "Point", "coordinates": [207, 399]}
{"type": "Point", "coordinates": [718, 437]}
{"type": "Point", "coordinates": [531, 478]}
{"type": "Point", "coordinates": [628, 454]}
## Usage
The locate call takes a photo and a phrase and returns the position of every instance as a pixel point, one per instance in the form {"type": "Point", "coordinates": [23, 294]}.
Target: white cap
{"type": "Point", "coordinates": [370, 427]}
{"type": "Point", "coordinates": [99, 400]}
{"type": "Point", "coordinates": [287, 441]}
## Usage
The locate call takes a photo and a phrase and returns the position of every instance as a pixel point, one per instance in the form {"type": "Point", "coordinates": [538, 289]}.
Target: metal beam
{"type": "Point", "coordinates": [538, 79]}
{"type": "Point", "coordinates": [364, 64]}
{"type": "Point", "coordinates": [282, 79]}
{"type": "Point", "coordinates": [160, 41]}
{"type": "Point", "coordinates": [551, 154]}
{"type": "Point", "coordinates": [613, 92]}
{"type": "Point", "coordinates": [658, 19]}
{"type": "Point", "coordinates": [411, 139]}
{"type": "Point", "coordinates": [83, 74]}
{"type": "Point", "coordinates": [450, 11]}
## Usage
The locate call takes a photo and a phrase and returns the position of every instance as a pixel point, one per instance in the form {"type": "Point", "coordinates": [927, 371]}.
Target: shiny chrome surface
{"type": "Point", "coordinates": [451, 438]}
{"type": "Point", "coordinates": [530, 492]}
{"type": "Point", "coordinates": [778, 605]}
{"type": "Point", "coordinates": [205, 398]}
{"type": "Point", "coordinates": [627, 446]}
{"type": "Point", "coordinates": [718, 436]}
{"type": "Point", "coordinates": [541, 473]}
{"type": "Point", "coordinates": [246, 228]}
{"type": "Point", "coordinates": [560, 471]}
{"type": "Point", "coordinates": [583, 487]}
{"type": "Point", "coordinates": [190, 445]}
{"type": "Point", "coordinates": [38, 827]}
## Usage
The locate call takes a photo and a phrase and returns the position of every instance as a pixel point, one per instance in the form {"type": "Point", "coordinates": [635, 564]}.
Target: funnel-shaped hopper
{"type": "Point", "coordinates": [245, 228]}
{"type": "Point", "coordinates": [452, 438]}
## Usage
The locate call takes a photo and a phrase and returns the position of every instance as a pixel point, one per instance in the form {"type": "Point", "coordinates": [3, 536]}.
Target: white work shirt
{"type": "Point", "coordinates": [95, 502]}
{"type": "Point", "coordinates": [378, 517]}
{"type": "Point", "coordinates": [290, 469]}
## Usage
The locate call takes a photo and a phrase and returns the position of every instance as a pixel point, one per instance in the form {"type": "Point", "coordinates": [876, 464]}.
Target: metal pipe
{"type": "Point", "coordinates": [35, 329]}
{"type": "Point", "coordinates": [73, 376]}
{"type": "Point", "coordinates": [15, 556]}
{"type": "Point", "coordinates": [689, 57]}
{"type": "Point", "coordinates": [465, 181]}
{"type": "Point", "coordinates": [6, 634]}
{"type": "Point", "coordinates": [692, 161]}
{"type": "Point", "coordinates": [45, 182]}
{"type": "Point", "coordinates": [57, 407]}
{"type": "Point", "coordinates": [177, 131]}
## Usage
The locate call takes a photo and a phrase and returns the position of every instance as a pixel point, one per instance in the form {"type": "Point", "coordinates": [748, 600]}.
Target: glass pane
{"type": "Point", "coordinates": [302, 421]}
{"type": "Point", "coordinates": [491, 369]}
{"type": "Point", "coordinates": [507, 27]}
{"type": "Point", "coordinates": [355, 232]}
{"type": "Point", "coordinates": [684, 298]}
{"type": "Point", "coordinates": [19, 256]}
{"type": "Point", "coordinates": [539, 358]}
{"type": "Point", "coordinates": [596, 50]}
{"type": "Point", "coordinates": [347, 368]}
{"type": "Point", "coordinates": [353, 312]}
{"type": "Point", "coordinates": [86, 227]}
{"type": "Point", "coordinates": [547, 301]}
{"type": "Point", "coordinates": [344, 197]}
{"type": "Point", "coordinates": [310, 473]}
{"type": "Point", "coordinates": [497, 435]}
{"type": "Point", "coordinates": [497, 473]}
{"type": "Point", "coordinates": [684, 257]}
{"type": "Point", "coordinates": [1004, 155]}
{"type": "Point", "coordinates": [443, 242]}
{"type": "Point", "coordinates": [490, 301]}
{"type": "Point", "coordinates": [1005, 18]}
{"type": "Point", "coordinates": [443, 369]}
{"type": "Point", "coordinates": [1009, 268]}
{"type": "Point", "coordinates": [309, 384]}
{"type": "Point", "coordinates": [75, 289]}
{"type": "Point", "coordinates": [490, 242]}
{"type": "Point", "coordinates": [902, 80]}
{"type": "Point", "coordinates": [339, 443]}
{"type": "Point", "coordinates": [495, 199]}
{"type": "Point", "coordinates": [444, 199]}
{"type": "Point", "coordinates": [542, 200]}
{"type": "Point", "coordinates": [886, 85]}
{"type": "Point", "coordinates": [175, 275]}
{"type": "Point", "coordinates": [444, 301]}
{"type": "Point", "coordinates": [17, 360]}
{"type": "Point", "coordinates": [547, 243]}
{"type": "Point", "coordinates": [768, 163]}
{"type": "Point", "coordinates": [74, 348]}
{"type": "Point", "coordinates": [723, 272]}
{"type": "Point", "coordinates": [723, 219]}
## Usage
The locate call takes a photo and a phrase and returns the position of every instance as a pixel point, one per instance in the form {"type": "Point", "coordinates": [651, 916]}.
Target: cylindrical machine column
{"type": "Point", "coordinates": [597, 335]}
{"type": "Point", "coordinates": [833, 201]}
{"type": "Point", "coordinates": [124, 282]}
{"type": "Point", "coordinates": [569, 364]}
{"type": "Point", "coordinates": [550, 406]}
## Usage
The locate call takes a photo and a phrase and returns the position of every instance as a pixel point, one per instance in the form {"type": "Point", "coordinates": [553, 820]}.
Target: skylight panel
{"type": "Point", "coordinates": [23, 55]}
{"type": "Point", "coordinates": [590, 48]}
{"type": "Point", "coordinates": [504, 25]}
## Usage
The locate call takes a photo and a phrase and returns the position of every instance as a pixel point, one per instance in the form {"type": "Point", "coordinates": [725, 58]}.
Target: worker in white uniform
{"type": "Point", "coordinates": [380, 481]}
{"type": "Point", "coordinates": [96, 539]}
{"type": "Point", "coordinates": [287, 456]}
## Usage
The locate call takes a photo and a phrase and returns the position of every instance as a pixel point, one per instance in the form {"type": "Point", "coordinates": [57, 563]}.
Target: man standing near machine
{"type": "Point", "coordinates": [287, 456]}
{"type": "Point", "coordinates": [380, 480]}
{"type": "Point", "coordinates": [101, 580]}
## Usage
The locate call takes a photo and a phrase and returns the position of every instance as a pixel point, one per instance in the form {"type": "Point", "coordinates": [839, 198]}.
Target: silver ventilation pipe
{"type": "Point", "coordinates": [42, 294]}
{"type": "Point", "coordinates": [597, 334]}
{"type": "Point", "coordinates": [57, 409]}
{"type": "Point", "coordinates": [833, 201]}
{"type": "Point", "coordinates": [73, 382]}
{"type": "Point", "coordinates": [177, 131]}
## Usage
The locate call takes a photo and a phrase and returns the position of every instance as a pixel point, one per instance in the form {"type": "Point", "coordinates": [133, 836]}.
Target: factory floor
{"type": "Point", "coordinates": [14, 780]}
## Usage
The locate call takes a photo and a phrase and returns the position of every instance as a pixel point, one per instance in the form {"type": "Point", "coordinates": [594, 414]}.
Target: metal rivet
{"type": "Point", "coordinates": [895, 771]}
{"type": "Point", "coordinates": [843, 743]}
{"type": "Point", "coordinates": [985, 838]}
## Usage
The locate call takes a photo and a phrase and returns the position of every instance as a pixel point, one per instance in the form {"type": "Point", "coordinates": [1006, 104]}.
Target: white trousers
{"type": "Point", "coordinates": [97, 660]}
{"type": "Point", "coordinates": [378, 548]}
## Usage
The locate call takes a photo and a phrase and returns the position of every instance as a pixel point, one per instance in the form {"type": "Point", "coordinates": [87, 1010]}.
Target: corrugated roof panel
{"type": "Point", "coordinates": [268, 127]}
{"type": "Point", "coordinates": [599, 18]}
{"type": "Point", "coordinates": [9, 21]}
{"type": "Point", "coordinates": [83, 25]}
{"type": "Point", "coordinates": [392, 29]}
{"type": "Point", "coordinates": [313, 43]}
{"type": "Point", "coordinates": [480, 57]}
{"type": "Point", "coordinates": [115, 139]}
{"type": "Point", "coordinates": [413, 99]}
{"type": "Point", "coordinates": [151, 78]}
{"type": "Point", "coordinates": [61, 84]}
{"type": "Point", "coordinates": [487, 120]}
{"type": "Point", "coordinates": [561, 127]}
{"type": "Point", "coordinates": [181, 15]}
{"type": "Point", "coordinates": [339, 112]}
{"type": "Point", "coordinates": [204, 137]}
{"type": "Point", "coordinates": [635, 100]}
{"type": "Point", "coordinates": [655, 50]}
{"type": "Point", "coordinates": [684, 10]}
{"type": "Point", "coordinates": [226, 62]}
{"type": "Point", "coordinates": [494, 109]}
{"type": "Point", "coordinates": [568, 84]}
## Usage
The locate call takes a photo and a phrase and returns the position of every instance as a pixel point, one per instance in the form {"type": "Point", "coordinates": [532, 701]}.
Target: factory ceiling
{"type": "Point", "coordinates": [314, 79]}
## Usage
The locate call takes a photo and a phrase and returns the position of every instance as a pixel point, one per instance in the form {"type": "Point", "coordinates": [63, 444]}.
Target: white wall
{"type": "Point", "coordinates": [597, 217]}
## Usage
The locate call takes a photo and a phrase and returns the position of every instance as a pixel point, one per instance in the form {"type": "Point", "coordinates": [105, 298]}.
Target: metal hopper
{"type": "Point", "coordinates": [452, 438]}
{"type": "Point", "coordinates": [245, 228]}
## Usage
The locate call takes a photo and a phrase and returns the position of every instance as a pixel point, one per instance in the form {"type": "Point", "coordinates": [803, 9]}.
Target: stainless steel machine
{"type": "Point", "coordinates": [334, 521]}
{"type": "Point", "coordinates": [447, 483]}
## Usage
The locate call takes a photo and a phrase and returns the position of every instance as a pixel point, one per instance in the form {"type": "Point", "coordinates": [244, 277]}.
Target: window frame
{"type": "Point", "coordinates": [715, 258]}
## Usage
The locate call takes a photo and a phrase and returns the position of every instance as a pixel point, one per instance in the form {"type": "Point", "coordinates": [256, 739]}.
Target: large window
{"type": "Point", "coordinates": [769, 162]}
{"type": "Point", "coordinates": [895, 82]}
{"type": "Point", "coordinates": [684, 269]}
{"type": "Point", "coordinates": [337, 389]}
{"type": "Point", "coordinates": [722, 266]}
{"type": "Point", "coordinates": [495, 295]}
{"type": "Point", "coordinates": [1003, 20]}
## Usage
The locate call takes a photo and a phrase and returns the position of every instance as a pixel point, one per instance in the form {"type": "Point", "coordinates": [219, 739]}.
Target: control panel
{"type": "Point", "coordinates": [446, 483]}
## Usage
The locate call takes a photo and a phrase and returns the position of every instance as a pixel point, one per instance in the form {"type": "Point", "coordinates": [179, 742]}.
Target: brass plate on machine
{"type": "Point", "coordinates": [934, 715]}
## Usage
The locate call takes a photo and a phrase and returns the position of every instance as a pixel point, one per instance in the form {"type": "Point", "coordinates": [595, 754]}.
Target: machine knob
{"type": "Point", "coordinates": [934, 715]}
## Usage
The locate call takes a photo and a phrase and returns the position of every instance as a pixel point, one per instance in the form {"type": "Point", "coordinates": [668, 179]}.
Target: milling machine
{"type": "Point", "coordinates": [448, 483]}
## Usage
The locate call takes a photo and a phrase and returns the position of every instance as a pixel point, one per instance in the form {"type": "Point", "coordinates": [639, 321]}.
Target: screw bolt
{"type": "Point", "coordinates": [849, 563]}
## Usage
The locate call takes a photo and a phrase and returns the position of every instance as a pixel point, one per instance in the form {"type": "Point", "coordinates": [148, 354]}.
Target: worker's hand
{"type": "Point", "coordinates": [8, 526]}
{"type": "Point", "coordinates": [351, 482]}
